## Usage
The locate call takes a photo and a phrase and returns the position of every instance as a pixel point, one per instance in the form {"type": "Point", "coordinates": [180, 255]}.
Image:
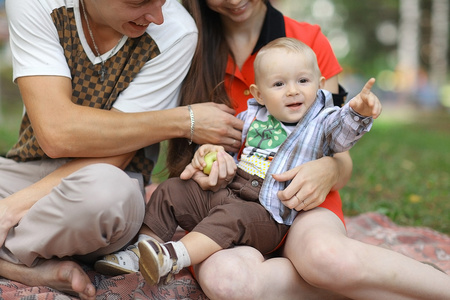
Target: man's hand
{"type": "Point", "coordinates": [8, 219]}
{"type": "Point", "coordinates": [216, 124]}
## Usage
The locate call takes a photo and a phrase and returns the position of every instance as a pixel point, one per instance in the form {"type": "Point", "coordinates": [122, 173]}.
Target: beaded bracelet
{"type": "Point", "coordinates": [191, 115]}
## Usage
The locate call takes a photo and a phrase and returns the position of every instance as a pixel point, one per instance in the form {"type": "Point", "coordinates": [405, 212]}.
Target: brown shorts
{"type": "Point", "coordinates": [231, 216]}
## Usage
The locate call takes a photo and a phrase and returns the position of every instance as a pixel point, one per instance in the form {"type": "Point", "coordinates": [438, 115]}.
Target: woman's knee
{"type": "Point", "coordinates": [329, 263]}
{"type": "Point", "coordinates": [230, 274]}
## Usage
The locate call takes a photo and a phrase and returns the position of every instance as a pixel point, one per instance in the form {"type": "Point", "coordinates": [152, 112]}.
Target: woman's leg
{"type": "Point", "coordinates": [243, 273]}
{"type": "Point", "coordinates": [325, 257]}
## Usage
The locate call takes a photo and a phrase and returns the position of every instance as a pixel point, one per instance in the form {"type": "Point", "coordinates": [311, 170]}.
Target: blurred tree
{"type": "Point", "coordinates": [408, 46]}
{"type": "Point", "coordinates": [439, 42]}
{"type": "Point", "coordinates": [408, 37]}
{"type": "Point", "coordinates": [363, 33]}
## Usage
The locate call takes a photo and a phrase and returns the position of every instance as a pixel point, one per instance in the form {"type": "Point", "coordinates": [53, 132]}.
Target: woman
{"type": "Point", "coordinates": [229, 36]}
{"type": "Point", "coordinates": [318, 260]}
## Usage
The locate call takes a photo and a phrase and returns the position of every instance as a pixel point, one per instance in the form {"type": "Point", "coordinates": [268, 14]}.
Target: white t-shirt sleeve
{"type": "Point", "coordinates": [37, 50]}
{"type": "Point", "coordinates": [34, 40]}
{"type": "Point", "coordinates": [158, 84]}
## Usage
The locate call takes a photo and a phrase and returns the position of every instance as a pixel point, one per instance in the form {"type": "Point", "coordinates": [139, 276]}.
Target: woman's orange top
{"type": "Point", "coordinates": [237, 82]}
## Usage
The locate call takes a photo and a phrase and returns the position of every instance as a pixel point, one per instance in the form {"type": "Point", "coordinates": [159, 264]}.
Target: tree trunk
{"type": "Point", "coordinates": [439, 43]}
{"type": "Point", "coordinates": [408, 45]}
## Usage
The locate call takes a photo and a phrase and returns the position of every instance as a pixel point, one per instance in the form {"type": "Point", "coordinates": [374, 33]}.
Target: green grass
{"type": "Point", "coordinates": [9, 125]}
{"type": "Point", "coordinates": [401, 168]}
{"type": "Point", "coordinates": [11, 108]}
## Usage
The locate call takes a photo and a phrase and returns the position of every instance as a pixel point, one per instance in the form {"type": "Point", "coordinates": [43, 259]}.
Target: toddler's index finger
{"type": "Point", "coordinates": [368, 86]}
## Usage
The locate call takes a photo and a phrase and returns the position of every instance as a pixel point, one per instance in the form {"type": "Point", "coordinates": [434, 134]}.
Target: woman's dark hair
{"type": "Point", "coordinates": [205, 79]}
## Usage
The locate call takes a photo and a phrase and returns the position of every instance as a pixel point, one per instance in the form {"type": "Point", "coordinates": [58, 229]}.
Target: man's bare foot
{"type": "Point", "coordinates": [63, 275]}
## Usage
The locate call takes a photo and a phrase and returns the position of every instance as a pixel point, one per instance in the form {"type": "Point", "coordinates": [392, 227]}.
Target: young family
{"type": "Point", "coordinates": [104, 81]}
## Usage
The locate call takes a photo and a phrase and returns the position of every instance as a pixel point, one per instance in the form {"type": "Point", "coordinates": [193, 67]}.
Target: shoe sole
{"type": "Point", "coordinates": [110, 269]}
{"type": "Point", "coordinates": [149, 262]}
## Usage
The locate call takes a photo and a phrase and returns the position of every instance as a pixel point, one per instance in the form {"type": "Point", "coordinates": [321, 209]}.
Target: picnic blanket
{"type": "Point", "coordinates": [419, 243]}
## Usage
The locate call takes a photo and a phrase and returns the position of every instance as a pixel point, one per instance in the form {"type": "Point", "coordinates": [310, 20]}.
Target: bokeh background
{"type": "Point", "coordinates": [402, 167]}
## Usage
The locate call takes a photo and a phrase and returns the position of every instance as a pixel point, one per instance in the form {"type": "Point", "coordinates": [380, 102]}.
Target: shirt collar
{"type": "Point", "coordinates": [273, 27]}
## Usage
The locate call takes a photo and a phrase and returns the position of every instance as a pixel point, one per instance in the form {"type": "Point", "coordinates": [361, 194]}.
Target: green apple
{"type": "Point", "coordinates": [210, 157]}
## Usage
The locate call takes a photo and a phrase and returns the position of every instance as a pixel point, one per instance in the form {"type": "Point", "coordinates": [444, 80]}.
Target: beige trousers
{"type": "Point", "coordinates": [94, 211]}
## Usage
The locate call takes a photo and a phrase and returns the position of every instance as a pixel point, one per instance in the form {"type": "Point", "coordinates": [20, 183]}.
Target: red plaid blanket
{"type": "Point", "coordinates": [422, 244]}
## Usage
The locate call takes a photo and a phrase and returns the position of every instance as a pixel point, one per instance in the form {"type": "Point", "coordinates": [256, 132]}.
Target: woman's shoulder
{"type": "Point", "coordinates": [312, 35]}
{"type": "Point", "coordinates": [301, 30]}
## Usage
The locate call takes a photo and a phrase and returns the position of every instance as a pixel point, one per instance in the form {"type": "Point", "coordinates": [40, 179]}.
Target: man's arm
{"type": "Point", "coordinates": [64, 129]}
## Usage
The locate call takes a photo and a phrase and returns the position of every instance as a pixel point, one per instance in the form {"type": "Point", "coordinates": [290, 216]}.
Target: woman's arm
{"type": "Point", "coordinates": [332, 85]}
{"type": "Point", "coordinates": [343, 165]}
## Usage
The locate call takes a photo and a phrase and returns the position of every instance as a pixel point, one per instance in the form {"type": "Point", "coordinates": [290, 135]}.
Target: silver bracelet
{"type": "Point", "coordinates": [191, 115]}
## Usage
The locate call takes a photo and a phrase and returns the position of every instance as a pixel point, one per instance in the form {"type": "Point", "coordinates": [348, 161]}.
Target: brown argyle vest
{"type": "Point", "coordinates": [87, 90]}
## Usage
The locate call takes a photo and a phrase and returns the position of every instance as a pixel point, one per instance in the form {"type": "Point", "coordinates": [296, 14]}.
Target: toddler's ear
{"type": "Point", "coordinates": [256, 93]}
{"type": "Point", "coordinates": [322, 82]}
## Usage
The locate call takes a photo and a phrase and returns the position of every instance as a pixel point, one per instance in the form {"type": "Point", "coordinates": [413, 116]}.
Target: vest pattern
{"type": "Point", "coordinates": [87, 89]}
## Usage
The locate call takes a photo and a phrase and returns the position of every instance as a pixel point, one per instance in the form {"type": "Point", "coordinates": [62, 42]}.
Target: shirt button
{"type": "Point", "coordinates": [356, 118]}
{"type": "Point", "coordinates": [255, 183]}
{"type": "Point", "coordinates": [246, 92]}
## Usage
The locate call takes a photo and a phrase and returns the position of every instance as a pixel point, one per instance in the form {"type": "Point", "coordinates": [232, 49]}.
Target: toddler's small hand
{"type": "Point", "coordinates": [367, 103]}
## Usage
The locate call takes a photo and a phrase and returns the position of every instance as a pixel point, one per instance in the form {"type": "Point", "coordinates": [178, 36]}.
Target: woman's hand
{"type": "Point", "coordinates": [222, 171]}
{"type": "Point", "coordinates": [311, 183]}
